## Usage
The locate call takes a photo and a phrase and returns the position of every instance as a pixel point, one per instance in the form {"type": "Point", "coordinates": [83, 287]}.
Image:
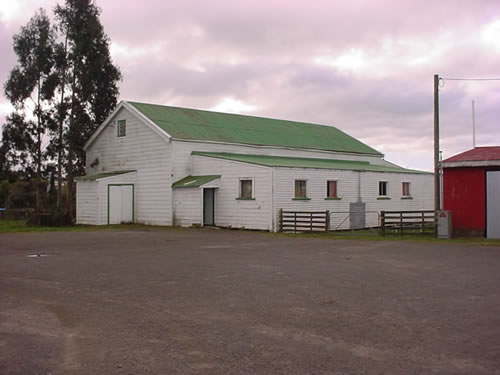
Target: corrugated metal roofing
{"type": "Point", "coordinates": [194, 124]}
{"type": "Point", "coordinates": [98, 176]}
{"type": "Point", "coordinates": [194, 181]}
{"type": "Point", "coordinates": [477, 154]}
{"type": "Point", "coordinates": [293, 162]}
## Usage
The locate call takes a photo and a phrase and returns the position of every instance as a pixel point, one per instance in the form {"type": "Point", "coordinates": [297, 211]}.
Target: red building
{"type": "Point", "coordinates": [471, 191]}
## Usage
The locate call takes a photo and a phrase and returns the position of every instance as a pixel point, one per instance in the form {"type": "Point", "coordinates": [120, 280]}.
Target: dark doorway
{"type": "Point", "coordinates": [208, 206]}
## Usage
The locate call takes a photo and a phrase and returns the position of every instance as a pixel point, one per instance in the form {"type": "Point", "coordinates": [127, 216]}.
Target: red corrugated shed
{"type": "Point", "coordinates": [477, 154]}
{"type": "Point", "coordinates": [464, 188]}
{"type": "Point", "coordinates": [464, 196]}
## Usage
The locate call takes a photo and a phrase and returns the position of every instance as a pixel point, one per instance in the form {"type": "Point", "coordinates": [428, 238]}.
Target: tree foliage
{"type": "Point", "coordinates": [92, 77]}
{"type": "Point", "coordinates": [32, 82]}
{"type": "Point", "coordinates": [63, 87]}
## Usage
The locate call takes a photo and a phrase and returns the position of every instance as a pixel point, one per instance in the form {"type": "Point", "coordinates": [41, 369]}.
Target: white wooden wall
{"type": "Point", "coordinates": [87, 202]}
{"type": "Point", "coordinates": [145, 151]}
{"type": "Point", "coordinates": [187, 206]}
{"type": "Point", "coordinates": [182, 166]}
{"type": "Point", "coordinates": [284, 179]}
{"type": "Point", "coordinates": [159, 162]}
{"type": "Point", "coordinates": [230, 212]}
{"type": "Point", "coordinates": [102, 210]}
{"type": "Point", "coordinates": [347, 187]}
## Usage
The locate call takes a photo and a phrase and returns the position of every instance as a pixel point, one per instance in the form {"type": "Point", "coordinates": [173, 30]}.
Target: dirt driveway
{"type": "Point", "coordinates": [231, 302]}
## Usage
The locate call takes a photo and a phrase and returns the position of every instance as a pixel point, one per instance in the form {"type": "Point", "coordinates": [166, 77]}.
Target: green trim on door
{"type": "Point", "coordinates": [133, 199]}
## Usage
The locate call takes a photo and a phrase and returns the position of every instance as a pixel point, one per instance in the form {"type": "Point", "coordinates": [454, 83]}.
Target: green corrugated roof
{"type": "Point", "coordinates": [293, 162]}
{"type": "Point", "coordinates": [194, 181]}
{"type": "Point", "coordinates": [98, 176]}
{"type": "Point", "coordinates": [194, 124]}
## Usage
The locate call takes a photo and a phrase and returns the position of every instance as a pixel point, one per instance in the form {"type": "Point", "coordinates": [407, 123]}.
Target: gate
{"type": "Point", "coordinates": [304, 221]}
{"type": "Point", "coordinates": [407, 221]}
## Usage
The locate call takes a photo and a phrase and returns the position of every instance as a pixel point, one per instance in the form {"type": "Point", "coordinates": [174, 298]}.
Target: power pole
{"type": "Point", "coordinates": [437, 190]}
{"type": "Point", "coordinates": [473, 125]}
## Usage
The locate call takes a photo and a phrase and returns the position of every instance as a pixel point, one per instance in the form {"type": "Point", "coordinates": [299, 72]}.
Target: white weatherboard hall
{"type": "Point", "coordinates": [163, 165]}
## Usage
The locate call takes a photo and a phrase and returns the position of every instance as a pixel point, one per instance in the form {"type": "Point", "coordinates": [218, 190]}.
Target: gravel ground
{"type": "Point", "coordinates": [234, 302]}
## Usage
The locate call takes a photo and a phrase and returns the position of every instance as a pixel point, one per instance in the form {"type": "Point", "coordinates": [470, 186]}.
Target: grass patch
{"type": "Point", "coordinates": [16, 226]}
{"type": "Point", "coordinates": [370, 235]}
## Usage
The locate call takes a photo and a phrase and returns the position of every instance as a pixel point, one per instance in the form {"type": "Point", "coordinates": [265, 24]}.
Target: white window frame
{"type": "Point", "coordinates": [295, 188]}
{"type": "Point", "coordinates": [119, 124]}
{"type": "Point", "coordinates": [328, 189]}
{"type": "Point", "coordinates": [402, 189]}
{"type": "Point", "coordinates": [386, 188]}
{"type": "Point", "coordinates": [240, 191]}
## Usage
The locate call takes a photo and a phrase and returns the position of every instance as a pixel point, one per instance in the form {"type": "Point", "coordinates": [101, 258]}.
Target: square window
{"type": "Point", "coordinates": [331, 189]}
{"type": "Point", "coordinates": [122, 128]}
{"type": "Point", "coordinates": [300, 189]}
{"type": "Point", "coordinates": [406, 189]}
{"type": "Point", "coordinates": [246, 189]}
{"type": "Point", "coordinates": [383, 188]}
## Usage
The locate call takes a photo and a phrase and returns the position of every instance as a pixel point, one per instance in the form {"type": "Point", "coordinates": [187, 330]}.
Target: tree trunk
{"type": "Point", "coordinates": [70, 187]}
{"type": "Point", "coordinates": [69, 167]}
{"type": "Point", "coordinates": [38, 206]}
{"type": "Point", "coordinates": [60, 146]}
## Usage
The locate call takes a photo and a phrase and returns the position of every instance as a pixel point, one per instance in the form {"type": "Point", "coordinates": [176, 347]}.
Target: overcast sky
{"type": "Point", "coordinates": [365, 67]}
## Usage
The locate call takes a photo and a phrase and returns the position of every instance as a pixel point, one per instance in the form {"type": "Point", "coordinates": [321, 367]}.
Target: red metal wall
{"type": "Point", "coordinates": [464, 193]}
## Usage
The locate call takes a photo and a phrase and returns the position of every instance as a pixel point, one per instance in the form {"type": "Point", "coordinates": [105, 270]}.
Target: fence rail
{"type": "Point", "coordinates": [341, 220]}
{"type": "Point", "coordinates": [304, 221]}
{"type": "Point", "coordinates": [407, 222]}
{"type": "Point", "coordinates": [15, 213]}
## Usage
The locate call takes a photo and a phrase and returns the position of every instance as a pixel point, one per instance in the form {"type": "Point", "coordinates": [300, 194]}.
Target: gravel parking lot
{"type": "Point", "coordinates": [234, 302]}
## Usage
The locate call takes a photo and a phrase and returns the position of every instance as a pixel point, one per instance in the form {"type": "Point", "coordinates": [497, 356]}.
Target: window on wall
{"type": "Point", "coordinates": [246, 189]}
{"type": "Point", "coordinates": [122, 128]}
{"type": "Point", "coordinates": [331, 189]}
{"type": "Point", "coordinates": [300, 189]}
{"type": "Point", "coordinates": [406, 189]}
{"type": "Point", "coordinates": [383, 188]}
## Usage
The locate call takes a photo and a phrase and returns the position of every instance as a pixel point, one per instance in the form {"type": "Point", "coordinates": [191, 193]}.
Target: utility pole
{"type": "Point", "coordinates": [473, 125]}
{"type": "Point", "coordinates": [437, 190]}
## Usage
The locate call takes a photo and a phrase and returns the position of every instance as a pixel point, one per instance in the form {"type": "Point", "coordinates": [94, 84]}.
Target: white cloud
{"type": "Point", "coordinates": [9, 10]}
{"type": "Point", "coordinates": [5, 108]}
{"type": "Point", "coordinates": [490, 34]}
{"type": "Point", "coordinates": [231, 105]}
{"type": "Point", "coordinates": [353, 60]}
{"type": "Point", "coordinates": [363, 66]}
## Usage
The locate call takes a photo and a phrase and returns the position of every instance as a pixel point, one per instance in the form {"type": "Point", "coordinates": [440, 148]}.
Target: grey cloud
{"type": "Point", "coordinates": [273, 45]}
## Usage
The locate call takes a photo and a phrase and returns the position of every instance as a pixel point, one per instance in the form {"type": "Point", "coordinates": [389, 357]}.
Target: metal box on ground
{"type": "Point", "coordinates": [444, 225]}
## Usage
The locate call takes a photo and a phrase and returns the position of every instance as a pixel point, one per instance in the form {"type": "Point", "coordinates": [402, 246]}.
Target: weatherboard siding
{"type": "Point", "coordinates": [347, 190]}
{"type": "Point", "coordinates": [142, 150]}
{"type": "Point", "coordinates": [87, 202]}
{"type": "Point", "coordinates": [182, 166]}
{"type": "Point", "coordinates": [421, 189]}
{"type": "Point", "coordinates": [316, 190]}
{"type": "Point", "coordinates": [229, 211]}
{"type": "Point", "coordinates": [421, 192]}
{"type": "Point", "coordinates": [187, 206]}
{"type": "Point", "coordinates": [102, 191]}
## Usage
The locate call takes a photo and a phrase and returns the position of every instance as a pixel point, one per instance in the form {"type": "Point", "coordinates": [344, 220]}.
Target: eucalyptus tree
{"type": "Point", "coordinates": [30, 88]}
{"type": "Point", "coordinates": [89, 83]}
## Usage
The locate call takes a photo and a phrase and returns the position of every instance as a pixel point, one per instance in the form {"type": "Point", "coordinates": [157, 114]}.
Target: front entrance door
{"type": "Point", "coordinates": [120, 204]}
{"type": "Point", "coordinates": [208, 206]}
{"type": "Point", "coordinates": [493, 204]}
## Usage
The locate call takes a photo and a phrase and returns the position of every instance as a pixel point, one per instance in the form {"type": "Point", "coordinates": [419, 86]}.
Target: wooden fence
{"type": "Point", "coordinates": [409, 222]}
{"type": "Point", "coordinates": [304, 221]}
{"type": "Point", "coordinates": [15, 213]}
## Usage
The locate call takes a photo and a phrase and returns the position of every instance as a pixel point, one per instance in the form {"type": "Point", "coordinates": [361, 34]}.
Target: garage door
{"type": "Point", "coordinates": [120, 204]}
{"type": "Point", "coordinates": [493, 204]}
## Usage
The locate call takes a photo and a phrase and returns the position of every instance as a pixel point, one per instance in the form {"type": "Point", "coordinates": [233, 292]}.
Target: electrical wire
{"type": "Point", "coordinates": [470, 79]}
